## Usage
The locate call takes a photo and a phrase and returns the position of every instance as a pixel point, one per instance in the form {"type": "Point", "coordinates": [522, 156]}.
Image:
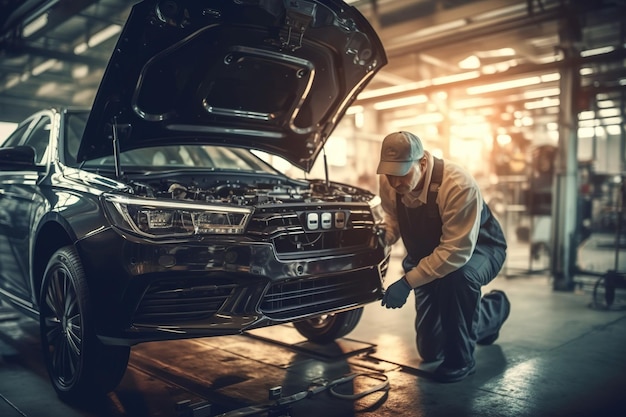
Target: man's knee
{"type": "Point", "coordinates": [464, 277]}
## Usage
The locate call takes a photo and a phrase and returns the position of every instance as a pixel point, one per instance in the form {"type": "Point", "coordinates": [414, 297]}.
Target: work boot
{"type": "Point", "coordinates": [448, 373]}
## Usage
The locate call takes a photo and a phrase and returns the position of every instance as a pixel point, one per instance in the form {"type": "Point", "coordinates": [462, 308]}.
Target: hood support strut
{"type": "Point", "coordinates": [116, 150]}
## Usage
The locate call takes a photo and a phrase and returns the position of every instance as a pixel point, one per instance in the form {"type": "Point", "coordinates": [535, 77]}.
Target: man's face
{"type": "Point", "coordinates": [406, 183]}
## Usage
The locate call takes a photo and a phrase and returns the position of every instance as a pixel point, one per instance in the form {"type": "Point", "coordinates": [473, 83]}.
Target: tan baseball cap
{"type": "Point", "coordinates": [398, 153]}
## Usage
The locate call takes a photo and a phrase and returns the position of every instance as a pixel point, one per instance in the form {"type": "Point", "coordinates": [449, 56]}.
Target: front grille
{"type": "Point", "coordinates": [292, 234]}
{"type": "Point", "coordinates": [296, 298]}
{"type": "Point", "coordinates": [181, 300]}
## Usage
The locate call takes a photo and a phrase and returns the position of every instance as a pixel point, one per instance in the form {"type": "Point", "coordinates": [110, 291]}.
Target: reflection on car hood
{"type": "Point", "coordinates": [275, 75]}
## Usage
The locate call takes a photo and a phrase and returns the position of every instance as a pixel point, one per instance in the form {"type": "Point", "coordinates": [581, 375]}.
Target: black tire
{"type": "Point", "coordinates": [79, 365]}
{"type": "Point", "coordinates": [329, 327]}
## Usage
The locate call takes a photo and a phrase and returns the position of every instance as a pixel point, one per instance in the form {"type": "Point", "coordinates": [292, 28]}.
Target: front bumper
{"type": "Point", "coordinates": [148, 292]}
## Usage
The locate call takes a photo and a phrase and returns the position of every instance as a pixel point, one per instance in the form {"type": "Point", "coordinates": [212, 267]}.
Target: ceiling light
{"type": "Point", "coordinates": [614, 130]}
{"type": "Point", "coordinates": [456, 77]}
{"type": "Point", "coordinates": [12, 82]}
{"type": "Point", "coordinates": [546, 92]}
{"type": "Point", "coordinates": [385, 91]}
{"type": "Point", "coordinates": [81, 48]}
{"type": "Point", "coordinates": [496, 53]}
{"type": "Point", "coordinates": [34, 25]}
{"type": "Point", "coordinates": [80, 71]}
{"type": "Point", "coordinates": [44, 66]}
{"type": "Point", "coordinates": [103, 35]}
{"type": "Point", "coordinates": [505, 85]}
{"type": "Point", "coordinates": [354, 110]}
{"type": "Point", "coordinates": [97, 38]}
{"type": "Point", "coordinates": [597, 51]}
{"type": "Point", "coordinates": [422, 119]}
{"type": "Point", "coordinates": [500, 12]}
{"type": "Point", "coordinates": [541, 104]}
{"type": "Point", "coordinates": [471, 62]}
{"type": "Point", "coordinates": [400, 102]}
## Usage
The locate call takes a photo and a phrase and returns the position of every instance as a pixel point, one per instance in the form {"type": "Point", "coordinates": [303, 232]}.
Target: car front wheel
{"type": "Point", "coordinates": [79, 365]}
{"type": "Point", "coordinates": [329, 327]}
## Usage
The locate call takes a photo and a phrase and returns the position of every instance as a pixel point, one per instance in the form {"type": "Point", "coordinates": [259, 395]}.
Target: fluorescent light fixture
{"type": "Point", "coordinates": [472, 103]}
{"type": "Point", "coordinates": [104, 35]}
{"type": "Point", "coordinates": [612, 121]}
{"type": "Point", "coordinates": [354, 110]}
{"type": "Point", "coordinates": [586, 115]}
{"type": "Point", "coordinates": [604, 113]}
{"type": "Point", "coordinates": [471, 62]}
{"type": "Point", "coordinates": [456, 77]}
{"type": "Point", "coordinates": [605, 104]}
{"type": "Point", "coordinates": [97, 38]}
{"type": "Point", "coordinates": [554, 76]}
{"type": "Point", "coordinates": [496, 53]}
{"type": "Point", "coordinates": [81, 48]}
{"type": "Point", "coordinates": [44, 66]}
{"type": "Point", "coordinates": [400, 102]}
{"type": "Point", "coordinates": [614, 130]}
{"type": "Point", "coordinates": [12, 82]}
{"type": "Point", "coordinates": [34, 25]}
{"type": "Point", "coordinates": [546, 92]}
{"type": "Point", "coordinates": [543, 103]}
{"type": "Point", "coordinates": [500, 12]}
{"type": "Point", "coordinates": [422, 119]}
{"type": "Point", "coordinates": [597, 51]}
{"type": "Point", "coordinates": [385, 91]}
{"type": "Point", "coordinates": [520, 82]}
{"type": "Point", "coordinates": [590, 132]}
{"type": "Point", "coordinates": [80, 71]}
{"type": "Point", "coordinates": [504, 85]}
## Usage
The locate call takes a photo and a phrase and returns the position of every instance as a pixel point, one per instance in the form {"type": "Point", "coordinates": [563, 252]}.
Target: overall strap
{"type": "Point", "coordinates": [433, 188]}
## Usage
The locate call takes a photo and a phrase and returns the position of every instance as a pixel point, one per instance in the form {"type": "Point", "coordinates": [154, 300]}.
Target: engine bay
{"type": "Point", "coordinates": [246, 190]}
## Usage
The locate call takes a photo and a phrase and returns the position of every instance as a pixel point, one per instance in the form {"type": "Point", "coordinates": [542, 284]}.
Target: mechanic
{"type": "Point", "coordinates": [454, 246]}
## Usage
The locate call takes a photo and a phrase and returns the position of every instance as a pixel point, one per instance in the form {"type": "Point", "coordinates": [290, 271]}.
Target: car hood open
{"type": "Point", "coordinates": [274, 75]}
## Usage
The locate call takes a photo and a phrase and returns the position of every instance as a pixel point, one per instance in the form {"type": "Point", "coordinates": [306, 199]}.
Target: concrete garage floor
{"type": "Point", "coordinates": [556, 356]}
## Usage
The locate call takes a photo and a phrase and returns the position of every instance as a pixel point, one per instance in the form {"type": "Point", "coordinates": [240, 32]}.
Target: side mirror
{"type": "Point", "coordinates": [17, 158]}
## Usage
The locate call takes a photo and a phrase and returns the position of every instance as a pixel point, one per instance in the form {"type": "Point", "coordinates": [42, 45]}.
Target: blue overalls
{"type": "Point", "coordinates": [451, 315]}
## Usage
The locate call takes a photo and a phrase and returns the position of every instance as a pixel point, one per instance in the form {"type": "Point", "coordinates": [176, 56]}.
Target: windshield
{"type": "Point", "coordinates": [163, 157]}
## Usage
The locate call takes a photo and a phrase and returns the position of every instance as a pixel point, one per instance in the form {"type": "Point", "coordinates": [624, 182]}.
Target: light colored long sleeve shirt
{"type": "Point", "coordinates": [460, 203]}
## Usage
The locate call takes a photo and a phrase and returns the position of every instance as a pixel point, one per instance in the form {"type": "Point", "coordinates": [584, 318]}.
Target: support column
{"type": "Point", "coordinates": [564, 206]}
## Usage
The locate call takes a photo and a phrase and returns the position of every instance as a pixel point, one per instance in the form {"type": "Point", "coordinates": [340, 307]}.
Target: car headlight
{"type": "Point", "coordinates": [166, 218]}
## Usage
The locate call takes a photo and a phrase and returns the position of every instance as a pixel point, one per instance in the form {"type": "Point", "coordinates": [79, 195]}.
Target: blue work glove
{"type": "Point", "coordinates": [397, 293]}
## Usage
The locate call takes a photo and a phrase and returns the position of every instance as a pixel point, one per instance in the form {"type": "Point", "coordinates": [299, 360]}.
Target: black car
{"type": "Point", "coordinates": [151, 217]}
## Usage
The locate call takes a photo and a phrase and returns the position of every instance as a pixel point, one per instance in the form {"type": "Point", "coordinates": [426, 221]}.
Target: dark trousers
{"type": "Point", "coordinates": [452, 316]}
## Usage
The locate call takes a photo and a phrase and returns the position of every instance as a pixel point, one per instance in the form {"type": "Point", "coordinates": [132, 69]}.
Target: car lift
{"type": "Point", "coordinates": [279, 406]}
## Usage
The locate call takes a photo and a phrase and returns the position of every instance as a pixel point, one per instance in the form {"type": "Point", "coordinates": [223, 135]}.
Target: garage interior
{"type": "Point", "coordinates": [528, 95]}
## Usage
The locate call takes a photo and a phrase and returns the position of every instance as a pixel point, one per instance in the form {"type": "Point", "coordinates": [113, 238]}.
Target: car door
{"type": "Point", "coordinates": [19, 195]}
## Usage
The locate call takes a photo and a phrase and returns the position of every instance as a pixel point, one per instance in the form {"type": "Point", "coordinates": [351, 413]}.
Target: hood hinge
{"type": "Point", "coordinates": [299, 16]}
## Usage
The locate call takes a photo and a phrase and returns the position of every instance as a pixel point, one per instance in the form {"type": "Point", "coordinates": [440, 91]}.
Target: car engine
{"type": "Point", "coordinates": [249, 193]}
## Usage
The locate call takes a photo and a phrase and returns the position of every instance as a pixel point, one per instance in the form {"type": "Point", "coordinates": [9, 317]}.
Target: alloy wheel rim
{"type": "Point", "coordinates": [63, 327]}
